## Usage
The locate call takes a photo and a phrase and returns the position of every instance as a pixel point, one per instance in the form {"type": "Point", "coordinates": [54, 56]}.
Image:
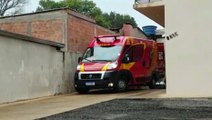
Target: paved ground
{"type": "Point", "coordinates": [142, 109]}
{"type": "Point", "coordinates": [42, 107]}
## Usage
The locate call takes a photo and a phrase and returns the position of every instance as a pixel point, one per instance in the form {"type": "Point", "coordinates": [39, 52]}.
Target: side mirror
{"type": "Point", "coordinates": [79, 59]}
{"type": "Point", "coordinates": [126, 59]}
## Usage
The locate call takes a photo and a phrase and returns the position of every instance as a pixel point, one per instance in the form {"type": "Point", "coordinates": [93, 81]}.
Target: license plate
{"type": "Point", "coordinates": [90, 83]}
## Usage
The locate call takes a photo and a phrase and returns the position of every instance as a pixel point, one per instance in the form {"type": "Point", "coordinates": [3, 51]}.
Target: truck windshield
{"type": "Point", "coordinates": [98, 53]}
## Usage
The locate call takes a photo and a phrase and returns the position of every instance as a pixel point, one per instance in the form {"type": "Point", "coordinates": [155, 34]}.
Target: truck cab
{"type": "Point", "coordinates": [117, 62]}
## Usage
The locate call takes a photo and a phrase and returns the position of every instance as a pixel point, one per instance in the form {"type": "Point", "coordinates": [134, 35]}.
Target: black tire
{"type": "Point", "coordinates": [122, 84]}
{"type": "Point", "coordinates": [152, 84]}
{"type": "Point", "coordinates": [82, 90]}
{"type": "Point", "coordinates": [164, 86]}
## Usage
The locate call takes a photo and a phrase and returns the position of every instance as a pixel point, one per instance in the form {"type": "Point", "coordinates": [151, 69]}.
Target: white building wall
{"type": "Point", "coordinates": [189, 55]}
{"type": "Point", "coordinates": [29, 70]}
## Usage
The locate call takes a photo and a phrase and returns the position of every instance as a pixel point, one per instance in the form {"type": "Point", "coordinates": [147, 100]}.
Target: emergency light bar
{"type": "Point", "coordinates": [107, 38]}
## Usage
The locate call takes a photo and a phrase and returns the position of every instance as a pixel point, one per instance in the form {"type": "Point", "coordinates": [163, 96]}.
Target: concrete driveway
{"type": "Point", "coordinates": [46, 106]}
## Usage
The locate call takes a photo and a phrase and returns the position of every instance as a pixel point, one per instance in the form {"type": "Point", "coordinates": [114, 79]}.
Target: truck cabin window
{"type": "Point", "coordinates": [99, 53]}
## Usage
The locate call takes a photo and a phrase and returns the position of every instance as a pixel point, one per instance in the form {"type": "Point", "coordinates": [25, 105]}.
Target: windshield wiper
{"type": "Point", "coordinates": [88, 60]}
{"type": "Point", "coordinates": [104, 60]}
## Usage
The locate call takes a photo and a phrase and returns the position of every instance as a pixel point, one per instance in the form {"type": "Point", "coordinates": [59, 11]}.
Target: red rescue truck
{"type": "Point", "coordinates": [119, 62]}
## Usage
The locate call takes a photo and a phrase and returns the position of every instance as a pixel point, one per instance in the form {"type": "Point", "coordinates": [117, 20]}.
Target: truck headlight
{"type": "Point", "coordinates": [78, 67]}
{"type": "Point", "coordinates": [113, 65]}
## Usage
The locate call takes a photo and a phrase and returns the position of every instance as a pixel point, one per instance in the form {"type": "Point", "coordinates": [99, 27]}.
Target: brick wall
{"type": "Point", "coordinates": [16, 27]}
{"type": "Point", "coordinates": [48, 29]}
{"type": "Point", "coordinates": [128, 30]}
{"type": "Point", "coordinates": [81, 32]}
{"type": "Point", "coordinates": [45, 29]}
{"type": "Point", "coordinates": [63, 25]}
{"type": "Point", "coordinates": [103, 31]}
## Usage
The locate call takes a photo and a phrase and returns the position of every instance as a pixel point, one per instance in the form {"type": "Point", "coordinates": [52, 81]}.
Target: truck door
{"type": "Point", "coordinates": [135, 54]}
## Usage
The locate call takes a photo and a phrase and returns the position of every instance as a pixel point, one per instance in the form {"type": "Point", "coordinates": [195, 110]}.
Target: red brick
{"type": "Point", "coordinates": [48, 29]}
{"type": "Point", "coordinates": [80, 33]}
{"type": "Point", "coordinates": [16, 27]}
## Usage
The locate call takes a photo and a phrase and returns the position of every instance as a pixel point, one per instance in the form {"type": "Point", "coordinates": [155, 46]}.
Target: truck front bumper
{"type": "Point", "coordinates": [100, 80]}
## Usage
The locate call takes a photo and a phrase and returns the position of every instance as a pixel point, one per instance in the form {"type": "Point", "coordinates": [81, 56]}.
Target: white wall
{"type": "Point", "coordinates": [71, 62]}
{"type": "Point", "coordinates": [28, 70]}
{"type": "Point", "coordinates": [189, 56]}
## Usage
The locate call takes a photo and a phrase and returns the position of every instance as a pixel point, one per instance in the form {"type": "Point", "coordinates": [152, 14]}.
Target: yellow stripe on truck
{"type": "Point", "coordinates": [127, 66]}
{"type": "Point", "coordinates": [82, 68]}
{"type": "Point", "coordinates": [105, 67]}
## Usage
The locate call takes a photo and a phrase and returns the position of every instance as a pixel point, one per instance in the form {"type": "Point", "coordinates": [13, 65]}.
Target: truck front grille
{"type": "Point", "coordinates": [91, 76]}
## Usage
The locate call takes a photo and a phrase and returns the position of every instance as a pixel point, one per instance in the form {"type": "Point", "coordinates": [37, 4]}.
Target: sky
{"type": "Point", "coordinates": [119, 6]}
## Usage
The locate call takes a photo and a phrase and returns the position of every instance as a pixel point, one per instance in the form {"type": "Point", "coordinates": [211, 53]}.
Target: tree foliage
{"type": "Point", "coordinates": [89, 8]}
{"type": "Point", "coordinates": [6, 5]}
{"type": "Point", "coordinates": [49, 4]}
{"type": "Point", "coordinates": [116, 20]}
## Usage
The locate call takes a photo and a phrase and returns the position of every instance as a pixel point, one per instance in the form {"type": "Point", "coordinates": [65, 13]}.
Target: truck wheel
{"type": "Point", "coordinates": [164, 86]}
{"type": "Point", "coordinates": [82, 90]}
{"type": "Point", "coordinates": [121, 84]}
{"type": "Point", "coordinates": [152, 84]}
